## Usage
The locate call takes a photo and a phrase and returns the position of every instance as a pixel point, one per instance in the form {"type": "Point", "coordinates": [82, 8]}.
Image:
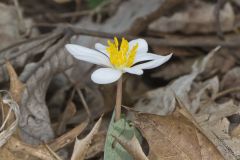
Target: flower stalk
{"type": "Point", "coordinates": [118, 100]}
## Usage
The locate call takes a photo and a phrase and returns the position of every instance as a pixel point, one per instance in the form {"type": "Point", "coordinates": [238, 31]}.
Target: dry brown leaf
{"type": "Point", "coordinates": [202, 93]}
{"type": "Point", "coordinates": [162, 101]}
{"type": "Point", "coordinates": [214, 122]}
{"type": "Point", "coordinates": [215, 112]}
{"type": "Point", "coordinates": [16, 86]}
{"type": "Point", "coordinates": [197, 18]}
{"type": "Point", "coordinates": [35, 119]}
{"type": "Point", "coordinates": [133, 147]}
{"type": "Point", "coordinates": [81, 146]}
{"type": "Point", "coordinates": [175, 137]}
{"type": "Point", "coordinates": [15, 145]}
{"type": "Point", "coordinates": [232, 80]}
{"type": "Point", "coordinates": [177, 68]}
{"type": "Point", "coordinates": [10, 25]}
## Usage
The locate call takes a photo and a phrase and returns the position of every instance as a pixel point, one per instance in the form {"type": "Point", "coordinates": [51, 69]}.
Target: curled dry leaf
{"type": "Point", "coordinates": [35, 119]}
{"type": "Point", "coordinates": [133, 147]}
{"type": "Point", "coordinates": [81, 146]}
{"type": "Point", "coordinates": [16, 86]}
{"type": "Point", "coordinates": [175, 137]}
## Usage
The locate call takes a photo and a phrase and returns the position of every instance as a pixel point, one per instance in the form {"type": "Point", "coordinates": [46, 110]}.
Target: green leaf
{"type": "Point", "coordinates": [122, 129]}
{"type": "Point", "coordinates": [94, 3]}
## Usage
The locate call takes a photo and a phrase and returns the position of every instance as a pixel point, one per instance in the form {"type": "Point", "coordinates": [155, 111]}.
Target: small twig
{"type": "Point", "coordinates": [52, 152]}
{"type": "Point", "coordinates": [77, 8]}
{"type": "Point", "coordinates": [232, 40]}
{"type": "Point", "coordinates": [13, 46]}
{"type": "Point", "coordinates": [6, 119]}
{"type": "Point", "coordinates": [2, 110]}
{"type": "Point", "coordinates": [68, 113]}
{"type": "Point", "coordinates": [10, 124]}
{"type": "Point", "coordinates": [225, 92]}
{"type": "Point", "coordinates": [85, 105]}
{"type": "Point", "coordinates": [82, 31]}
{"type": "Point", "coordinates": [75, 14]}
{"type": "Point", "coordinates": [69, 137]}
{"type": "Point", "coordinates": [118, 100]}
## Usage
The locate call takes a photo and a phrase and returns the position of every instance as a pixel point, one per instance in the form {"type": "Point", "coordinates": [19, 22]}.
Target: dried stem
{"type": "Point", "coordinates": [118, 100]}
{"type": "Point", "coordinates": [85, 105]}
{"type": "Point", "coordinates": [225, 92]}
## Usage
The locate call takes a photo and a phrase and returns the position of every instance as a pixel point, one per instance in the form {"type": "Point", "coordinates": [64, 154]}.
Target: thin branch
{"type": "Point", "coordinates": [75, 14]}
{"type": "Point", "coordinates": [68, 137]}
{"type": "Point", "coordinates": [225, 92]}
{"type": "Point", "coordinates": [52, 152]}
{"type": "Point", "coordinates": [231, 40]}
{"type": "Point", "coordinates": [16, 145]}
{"type": "Point", "coordinates": [85, 105]}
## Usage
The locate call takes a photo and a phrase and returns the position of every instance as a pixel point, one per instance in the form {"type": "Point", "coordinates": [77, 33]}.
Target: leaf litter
{"type": "Point", "coordinates": [53, 113]}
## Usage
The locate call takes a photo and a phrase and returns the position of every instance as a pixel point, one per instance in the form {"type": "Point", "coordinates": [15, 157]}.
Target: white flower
{"type": "Point", "coordinates": [131, 57]}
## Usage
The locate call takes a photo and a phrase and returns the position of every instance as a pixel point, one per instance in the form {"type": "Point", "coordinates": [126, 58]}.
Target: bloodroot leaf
{"type": "Point", "coordinates": [175, 137]}
{"type": "Point", "coordinates": [120, 129]}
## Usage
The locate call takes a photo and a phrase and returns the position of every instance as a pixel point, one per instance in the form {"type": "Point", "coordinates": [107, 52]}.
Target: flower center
{"type": "Point", "coordinates": [120, 55]}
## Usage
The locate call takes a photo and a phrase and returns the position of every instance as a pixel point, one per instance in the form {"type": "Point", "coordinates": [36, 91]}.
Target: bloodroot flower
{"type": "Point", "coordinates": [131, 57]}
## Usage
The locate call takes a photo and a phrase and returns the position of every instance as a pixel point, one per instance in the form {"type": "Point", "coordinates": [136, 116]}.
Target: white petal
{"type": "Point", "coordinates": [89, 55]}
{"type": "Point", "coordinates": [142, 45]}
{"type": "Point", "coordinates": [102, 48]}
{"type": "Point", "coordinates": [106, 75]}
{"type": "Point", "coordinates": [146, 57]}
{"type": "Point", "coordinates": [154, 63]}
{"type": "Point", "coordinates": [136, 71]}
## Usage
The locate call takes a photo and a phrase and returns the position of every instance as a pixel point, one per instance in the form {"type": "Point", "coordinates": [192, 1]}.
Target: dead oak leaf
{"type": "Point", "coordinates": [174, 137]}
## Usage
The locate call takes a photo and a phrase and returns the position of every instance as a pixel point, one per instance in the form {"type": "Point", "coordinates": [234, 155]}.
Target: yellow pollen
{"type": "Point", "coordinates": [121, 56]}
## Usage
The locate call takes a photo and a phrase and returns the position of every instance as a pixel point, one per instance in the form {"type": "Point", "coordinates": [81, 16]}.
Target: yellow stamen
{"type": "Point", "coordinates": [121, 57]}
